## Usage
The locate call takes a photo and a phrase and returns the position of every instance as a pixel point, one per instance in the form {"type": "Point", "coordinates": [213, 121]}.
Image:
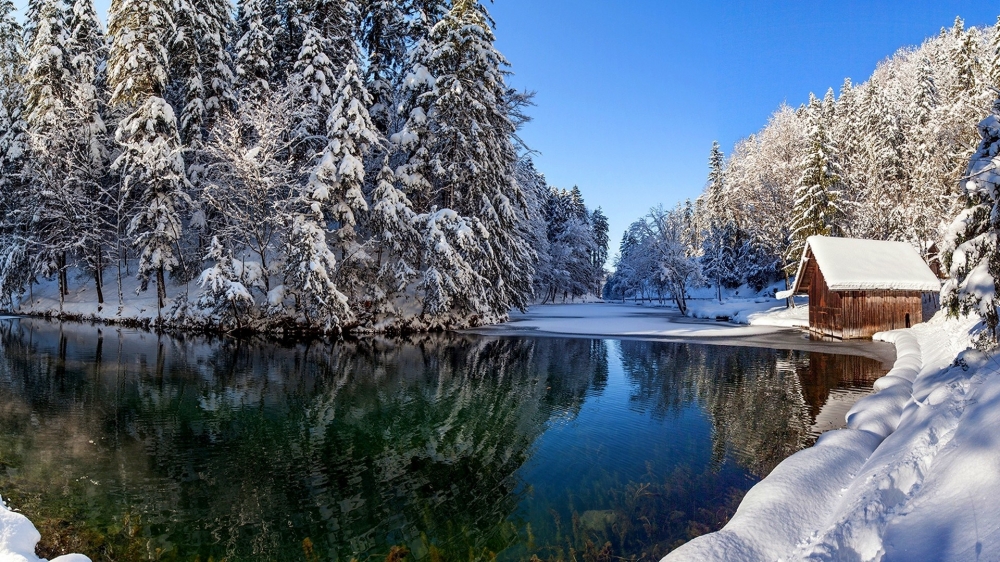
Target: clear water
{"type": "Point", "coordinates": [131, 446]}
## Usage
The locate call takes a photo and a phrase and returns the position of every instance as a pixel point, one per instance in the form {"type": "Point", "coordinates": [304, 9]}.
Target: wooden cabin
{"type": "Point", "coordinates": [859, 287]}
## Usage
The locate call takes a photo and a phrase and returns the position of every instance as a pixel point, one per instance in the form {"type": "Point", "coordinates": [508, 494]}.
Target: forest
{"type": "Point", "coordinates": [898, 157]}
{"type": "Point", "coordinates": [321, 165]}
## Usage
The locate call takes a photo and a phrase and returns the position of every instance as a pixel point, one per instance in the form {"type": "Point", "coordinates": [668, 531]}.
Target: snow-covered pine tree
{"type": "Point", "coordinates": [473, 156]}
{"type": "Point", "coordinates": [310, 267]}
{"type": "Point", "coordinates": [151, 165]}
{"type": "Point", "coordinates": [255, 49]}
{"type": "Point", "coordinates": [536, 193]}
{"type": "Point", "coordinates": [972, 247]}
{"type": "Point", "coordinates": [993, 55]}
{"type": "Point", "coordinates": [53, 235]}
{"type": "Point", "coordinates": [600, 227]}
{"type": "Point", "coordinates": [718, 258]}
{"type": "Point", "coordinates": [15, 270]}
{"type": "Point", "coordinates": [383, 38]}
{"type": "Point", "coordinates": [328, 29]}
{"type": "Point", "coordinates": [223, 293]}
{"type": "Point", "coordinates": [337, 181]}
{"type": "Point", "coordinates": [47, 80]}
{"type": "Point", "coordinates": [88, 143]}
{"type": "Point", "coordinates": [570, 270]}
{"type": "Point", "coordinates": [217, 71]}
{"type": "Point", "coordinates": [201, 64]}
{"type": "Point", "coordinates": [716, 206]}
{"type": "Point", "coordinates": [816, 209]}
{"type": "Point", "coordinates": [394, 241]}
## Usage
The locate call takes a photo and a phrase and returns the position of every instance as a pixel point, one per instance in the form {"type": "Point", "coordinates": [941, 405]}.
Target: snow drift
{"type": "Point", "coordinates": [914, 476]}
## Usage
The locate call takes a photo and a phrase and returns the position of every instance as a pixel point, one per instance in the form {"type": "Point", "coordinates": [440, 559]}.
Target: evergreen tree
{"type": "Point", "coordinates": [383, 37]}
{"type": "Point", "coordinates": [395, 241]}
{"type": "Point", "coordinates": [48, 88]}
{"type": "Point", "coordinates": [328, 29]}
{"type": "Point", "coordinates": [718, 259]}
{"type": "Point", "coordinates": [715, 183]}
{"type": "Point", "coordinates": [993, 55]}
{"type": "Point", "coordinates": [255, 50]}
{"type": "Point", "coordinates": [600, 226]}
{"type": "Point", "coordinates": [337, 182]}
{"type": "Point", "coordinates": [88, 140]}
{"type": "Point", "coordinates": [49, 67]}
{"type": "Point", "coordinates": [223, 293]}
{"type": "Point", "coordinates": [972, 249]}
{"type": "Point", "coordinates": [201, 64]}
{"type": "Point", "coordinates": [14, 211]}
{"type": "Point", "coordinates": [150, 164]}
{"type": "Point", "coordinates": [474, 156]}
{"type": "Point", "coordinates": [815, 209]}
{"type": "Point", "coordinates": [310, 268]}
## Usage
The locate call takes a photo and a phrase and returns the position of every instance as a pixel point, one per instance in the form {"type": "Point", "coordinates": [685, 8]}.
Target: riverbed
{"type": "Point", "coordinates": [123, 444]}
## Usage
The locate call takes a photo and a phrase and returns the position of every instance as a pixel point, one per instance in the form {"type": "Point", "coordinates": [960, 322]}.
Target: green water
{"type": "Point", "coordinates": [126, 445]}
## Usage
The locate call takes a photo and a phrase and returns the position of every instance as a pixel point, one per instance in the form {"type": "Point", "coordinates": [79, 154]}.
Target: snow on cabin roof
{"type": "Point", "coordinates": [850, 264]}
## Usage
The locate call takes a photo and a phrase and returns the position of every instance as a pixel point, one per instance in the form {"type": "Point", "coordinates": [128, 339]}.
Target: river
{"type": "Point", "coordinates": [127, 445]}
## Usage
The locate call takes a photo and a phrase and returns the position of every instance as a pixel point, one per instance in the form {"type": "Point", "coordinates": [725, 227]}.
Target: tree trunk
{"type": "Point", "coordinates": [99, 277]}
{"type": "Point", "coordinates": [161, 288]}
{"type": "Point", "coordinates": [121, 293]}
{"type": "Point", "coordinates": [791, 299]}
{"type": "Point", "coordinates": [63, 274]}
{"type": "Point", "coordinates": [60, 261]}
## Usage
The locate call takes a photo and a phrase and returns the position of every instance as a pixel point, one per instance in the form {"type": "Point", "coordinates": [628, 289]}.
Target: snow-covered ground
{"type": "Point", "coordinates": [18, 538]}
{"type": "Point", "coordinates": [650, 322]}
{"type": "Point", "coordinates": [758, 311]}
{"type": "Point", "coordinates": [914, 476]}
{"type": "Point", "coordinates": [43, 299]}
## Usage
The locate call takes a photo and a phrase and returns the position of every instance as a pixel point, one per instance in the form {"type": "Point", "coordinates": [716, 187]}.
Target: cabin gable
{"type": "Point", "coordinates": [858, 312]}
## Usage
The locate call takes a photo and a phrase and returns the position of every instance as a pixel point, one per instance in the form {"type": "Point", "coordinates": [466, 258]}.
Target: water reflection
{"type": "Point", "coordinates": [763, 402]}
{"type": "Point", "coordinates": [127, 445]}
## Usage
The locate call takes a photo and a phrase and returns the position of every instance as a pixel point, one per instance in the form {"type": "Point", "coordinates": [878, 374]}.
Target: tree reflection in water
{"type": "Point", "coordinates": [127, 445]}
{"type": "Point", "coordinates": [763, 402]}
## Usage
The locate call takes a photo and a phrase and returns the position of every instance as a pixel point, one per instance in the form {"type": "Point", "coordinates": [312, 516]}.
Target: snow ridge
{"type": "Point", "coordinates": [889, 486]}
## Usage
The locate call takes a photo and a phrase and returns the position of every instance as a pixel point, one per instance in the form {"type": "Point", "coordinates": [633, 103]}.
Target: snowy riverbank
{"type": "Point", "coordinates": [18, 538]}
{"type": "Point", "coordinates": [914, 476]}
{"type": "Point", "coordinates": [761, 324]}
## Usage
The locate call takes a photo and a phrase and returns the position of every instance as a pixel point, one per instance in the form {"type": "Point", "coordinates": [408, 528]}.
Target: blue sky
{"type": "Point", "coordinates": [631, 94]}
{"type": "Point", "coordinates": [631, 97]}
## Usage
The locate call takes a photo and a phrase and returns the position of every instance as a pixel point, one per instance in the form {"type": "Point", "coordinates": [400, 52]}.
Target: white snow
{"type": "Point", "coordinates": [914, 476]}
{"type": "Point", "coordinates": [850, 264]}
{"type": "Point", "coordinates": [18, 538]}
{"type": "Point", "coordinates": [621, 320]}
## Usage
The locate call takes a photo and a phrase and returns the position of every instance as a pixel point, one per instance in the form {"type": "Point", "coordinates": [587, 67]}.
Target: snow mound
{"type": "Point", "coordinates": [914, 476]}
{"type": "Point", "coordinates": [18, 538]}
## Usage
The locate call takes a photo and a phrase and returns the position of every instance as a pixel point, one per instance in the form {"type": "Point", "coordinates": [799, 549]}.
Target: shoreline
{"type": "Point", "coordinates": [882, 488]}
{"type": "Point", "coordinates": [667, 325]}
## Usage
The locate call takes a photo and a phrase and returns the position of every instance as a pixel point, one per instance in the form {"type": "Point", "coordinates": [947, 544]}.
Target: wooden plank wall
{"type": "Point", "coordinates": [868, 312]}
{"type": "Point", "coordinates": [859, 314]}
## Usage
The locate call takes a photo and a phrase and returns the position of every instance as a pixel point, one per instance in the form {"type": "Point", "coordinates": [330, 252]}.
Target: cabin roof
{"type": "Point", "coordinates": [850, 264]}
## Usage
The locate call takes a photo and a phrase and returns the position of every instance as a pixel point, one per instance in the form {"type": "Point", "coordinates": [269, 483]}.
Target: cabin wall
{"type": "Point", "coordinates": [825, 306]}
{"type": "Point", "coordinates": [860, 314]}
{"type": "Point", "coordinates": [867, 312]}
